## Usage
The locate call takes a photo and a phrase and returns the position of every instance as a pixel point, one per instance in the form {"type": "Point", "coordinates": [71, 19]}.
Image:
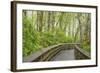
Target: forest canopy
{"type": "Point", "coordinates": [45, 28]}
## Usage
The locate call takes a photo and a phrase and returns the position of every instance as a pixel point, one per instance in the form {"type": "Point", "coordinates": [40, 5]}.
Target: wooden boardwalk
{"type": "Point", "coordinates": [64, 55]}
{"type": "Point", "coordinates": [60, 52]}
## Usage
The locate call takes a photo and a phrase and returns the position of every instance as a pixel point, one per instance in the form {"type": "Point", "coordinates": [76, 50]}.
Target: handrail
{"type": "Point", "coordinates": [86, 54]}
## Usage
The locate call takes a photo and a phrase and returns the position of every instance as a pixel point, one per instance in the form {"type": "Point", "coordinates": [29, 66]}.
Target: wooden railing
{"type": "Point", "coordinates": [81, 54]}
{"type": "Point", "coordinates": [46, 54]}
{"type": "Point", "coordinates": [42, 54]}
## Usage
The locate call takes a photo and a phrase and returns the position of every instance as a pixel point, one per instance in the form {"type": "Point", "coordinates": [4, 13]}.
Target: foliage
{"type": "Point", "coordinates": [85, 45]}
{"type": "Point", "coordinates": [45, 28]}
{"type": "Point", "coordinates": [30, 39]}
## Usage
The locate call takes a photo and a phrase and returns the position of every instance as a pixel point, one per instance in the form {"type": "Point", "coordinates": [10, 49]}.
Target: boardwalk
{"type": "Point", "coordinates": [64, 55]}
{"type": "Point", "coordinates": [60, 52]}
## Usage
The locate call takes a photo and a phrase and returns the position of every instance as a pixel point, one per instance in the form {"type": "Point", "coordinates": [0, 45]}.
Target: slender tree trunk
{"type": "Point", "coordinates": [39, 20]}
